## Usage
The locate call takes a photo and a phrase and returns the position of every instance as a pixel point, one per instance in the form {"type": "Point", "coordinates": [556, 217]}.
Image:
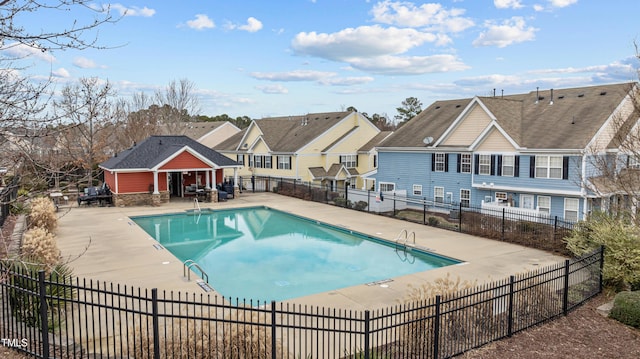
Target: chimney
{"type": "Point", "coordinates": [537, 94]}
{"type": "Point", "coordinates": [551, 101]}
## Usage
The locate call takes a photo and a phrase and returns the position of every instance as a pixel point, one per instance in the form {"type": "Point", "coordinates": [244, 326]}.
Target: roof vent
{"type": "Point", "coordinates": [540, 98]}
{"type": "Point", "coordinates": [603, 93]}
{"type": "Point", "coordinates": [437, 107]}
{"type": "Point", "coordinates": [457, 106]}
{"type": "Point", "coordinates": [561, 97]}
{"type": "Point", "coordinates": [581, 95]}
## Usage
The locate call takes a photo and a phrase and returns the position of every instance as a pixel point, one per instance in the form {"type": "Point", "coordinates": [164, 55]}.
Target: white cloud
{"type": "Point", "coordinates": [61, 72]}
{"type": "Point", "coordinates": [252, 25]}
{"type": "Point", "coordinates": [409, 65]}
{"type": "Point", "coordinates": [84, 63]}
{"type": "Point", "coordinates": [432, 16]}
{"type": "Point", "coordinates": [510, 32]}
{"type": "Point", "coordinates": [19, 50]}
{"type": "Point", "coordinates": [296, 75]}
{"type": "Point", "coordinates": [273, 89]}
{"type": "Point", "coordinates": [201, 22]}
{"type": "Point", "coordinates": [562, 3]}
{"type": "Point", "coordinates": [507, 4]}
{"type": "Point", "coordinates": [133, 11]}
{"type": "Point", "coordinates": [360, 42]}
{"type": "Point", "coordinates": [346, 81]}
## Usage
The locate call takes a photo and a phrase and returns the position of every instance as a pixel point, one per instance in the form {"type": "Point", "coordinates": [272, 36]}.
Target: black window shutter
{"type": "Point", "coordinates": [446, 162]}
{"type": "Point", "coordinates": [516, 166]}
{"type": "Point", "coordinates": [499, 165]}
{"type": "Point", "coordinates": [357, 157]}
{"type": "Point", "coordinates": [493, 165]}
{"type": "Point", "coordinates": [272, 162]}
{"type": "Point", "coordinates": [458, 163]}
{"type": "Point", "coordinates": [289, 162]}
{"type": "Point", "coordinates": [476, 165]}
{"type": "Point", "coordinates": [433, 162]}
{"type": "Point", "coordinates": [341, 159]}
{"type": "Point", "coordinates": [532, 166]}
{"type": "Point", "coordinates": [565, 167]}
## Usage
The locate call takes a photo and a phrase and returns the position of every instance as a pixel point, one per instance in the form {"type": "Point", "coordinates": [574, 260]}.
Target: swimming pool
{"type": "Point", "coordinates": [265, 254]}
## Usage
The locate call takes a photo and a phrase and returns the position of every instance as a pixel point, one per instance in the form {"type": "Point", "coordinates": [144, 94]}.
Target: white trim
{"type": "Point", "coordinates": [530, 190]}
{"type": "Point", "coordinates": [188, 149]}
{"type": "Point", "coordinates": [487, 131]}
{"type": "Point", "coordinates": [463, 115]}
{"type": "Point", "coordinates": [252, 124]}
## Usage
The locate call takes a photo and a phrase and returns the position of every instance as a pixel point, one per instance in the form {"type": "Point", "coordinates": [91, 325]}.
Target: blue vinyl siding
{"type": "Point", "coordinates": [406, 169]}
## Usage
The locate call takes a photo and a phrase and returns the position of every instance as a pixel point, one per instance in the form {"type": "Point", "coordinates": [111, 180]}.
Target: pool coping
{"type": "Point", "coordinates": [102, 243]}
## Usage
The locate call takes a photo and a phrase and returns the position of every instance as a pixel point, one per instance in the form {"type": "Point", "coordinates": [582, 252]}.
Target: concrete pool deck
{"type": "Point", "coordinates": [102, 243]}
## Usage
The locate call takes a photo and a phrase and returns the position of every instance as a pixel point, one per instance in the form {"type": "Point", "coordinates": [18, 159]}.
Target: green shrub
{"type": "Point", "coordinates": [24, 293]}
{"type": "Point", "coordinates": [433, 221]}
{"type": "Point", "coordinates": [360, 205]}
{"type": "Point", "coordinates": [626, 308]}
{"type": "Point", "coordinates": [621, 238]}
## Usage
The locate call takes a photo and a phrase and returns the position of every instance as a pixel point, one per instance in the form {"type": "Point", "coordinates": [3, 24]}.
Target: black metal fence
{"type": "Point", "coordinates": [7, 196]}
{"type": "Point", "coordinates": [505, 223]}
{"type": "Point", "coordinates": [48, 316]}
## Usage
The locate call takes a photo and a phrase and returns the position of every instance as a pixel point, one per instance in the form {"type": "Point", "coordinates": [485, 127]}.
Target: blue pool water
{"type": "Point", "coordinates": [265, 254]}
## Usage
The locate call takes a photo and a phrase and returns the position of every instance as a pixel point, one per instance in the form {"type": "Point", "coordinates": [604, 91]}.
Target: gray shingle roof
{"type": "Point", "coordinates": [530, 119]}
{"type": "Point", "coordinates": [155, 149]}
{"type": "Point", "coordinates": [288, 134]}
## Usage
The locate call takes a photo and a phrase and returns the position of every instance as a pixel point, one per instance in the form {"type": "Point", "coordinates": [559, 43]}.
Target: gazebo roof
{"type": "Point", "coordinates": [158, 149]}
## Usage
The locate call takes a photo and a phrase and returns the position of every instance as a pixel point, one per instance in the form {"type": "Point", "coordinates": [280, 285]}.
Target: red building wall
{"type": "Point", "coordinates": [183, 161]}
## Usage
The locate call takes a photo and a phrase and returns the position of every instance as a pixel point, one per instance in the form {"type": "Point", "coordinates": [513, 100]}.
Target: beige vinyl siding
{"type": "Point", "coordinates": [469, 129]}
{"type": "Point", "coordinates": [496, 142]}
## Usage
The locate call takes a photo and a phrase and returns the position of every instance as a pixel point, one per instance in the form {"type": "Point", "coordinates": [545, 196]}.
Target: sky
{"type": "Point", "coordinates": [277, 58]}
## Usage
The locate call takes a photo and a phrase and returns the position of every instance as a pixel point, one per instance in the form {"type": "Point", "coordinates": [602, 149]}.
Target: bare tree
{"type": "Point", "coordinates": [178, 103]}
{"type": "Point", "coordinates": [26, 130]}
{"type": "Point", "coordinates": [90, 113]}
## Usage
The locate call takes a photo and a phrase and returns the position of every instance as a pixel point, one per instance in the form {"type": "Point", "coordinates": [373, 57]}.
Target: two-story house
{"type": "Point", "coordinates": [532, 151]}
{"type": "Point", "coordinates": [331, 149]}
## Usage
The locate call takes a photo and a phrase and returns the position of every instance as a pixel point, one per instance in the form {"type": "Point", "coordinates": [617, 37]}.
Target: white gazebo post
{"type": "Point", "coordinates": [208, 179]}
{"type": "Point", "coordinates": [155, 182]}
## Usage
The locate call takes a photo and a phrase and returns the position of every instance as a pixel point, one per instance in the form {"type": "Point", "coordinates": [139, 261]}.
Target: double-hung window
{"type": "Point", "coordinates": [240, 159]}
{"type": "Point", "coordinates": [571, 206]}
{"type": "Point", "coordinates": [508, 165]}
{"type": "Point", "coordinates": [417, 190]}
{"type": "Point", "coordinates": [438, 194]}
{"type": "Point", "coordinates": [387, 186]}
{"type": "Point", "coordinates": [349, 161]}
{"type": "Point", "coordinates": [465, 197]}
{"type": "Point", "coordinates": [284, 162]}
{"type": "Point", "coordinates": [465, 163]}
{"type": "Point", "coordinates": [549, 166]}
{"type": "Point", "coordinates": [257, 161]}
{"type": "Point", "coordinates": [544, 204]}
{"type": "Point", "coordinates": [439, 159]}
{"type": "Point", "coordinates": [484, 166]}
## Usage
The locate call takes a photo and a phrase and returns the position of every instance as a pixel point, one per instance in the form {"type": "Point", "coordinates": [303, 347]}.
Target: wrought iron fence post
{"type": "Point", "coordinates": [436, 329]}
{"type": "Point", "coordinates": [156, 330]}
{"type": "Point", "coordinates": [565, 295]}
{"type": "Point", "coordinates": [424, 210]}
{"type": "Point", "coordinates": [503, 218]}
{"type": "Point", "coordinates": [368, 200]}
{"type": "Point", "coordinates": [512, 280]}
{"type": "Point", "coordinates": [602, 249]}
{"type": "Point", "coordinates": [367, 333]}
{"type": "Point", "coordinates": [460, 217]}
{"type": "Point", "coordinates": [274, 352]}
{"type": "Point", "coordinates": [44, 321]}
{"type": "Point", "coordinates": [555, 227]}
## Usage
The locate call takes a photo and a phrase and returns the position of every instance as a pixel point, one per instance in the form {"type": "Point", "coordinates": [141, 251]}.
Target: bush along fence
{"type": "Point", "coordinates": [49, 316]}
{"type": "Point", "coordinates": [506, 224]}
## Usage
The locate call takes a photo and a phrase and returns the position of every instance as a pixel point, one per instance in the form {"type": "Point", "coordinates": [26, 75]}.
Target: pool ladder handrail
{"type": "Point", "coordinates": [196, 204]}
{"type": "Point", "coordinates": [407, 235]}
{"type": "Point", "coordinates": [186, 270]}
